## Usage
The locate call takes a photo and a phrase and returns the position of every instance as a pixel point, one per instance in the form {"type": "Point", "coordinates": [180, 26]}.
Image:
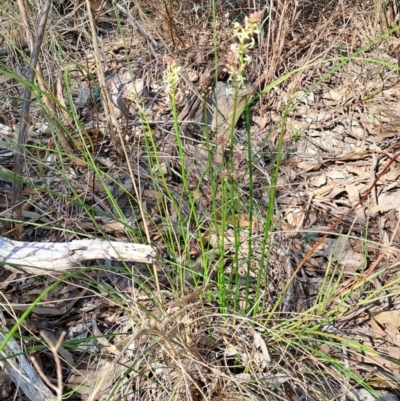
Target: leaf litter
{"type": "Point", "coordinates": [339, 132]}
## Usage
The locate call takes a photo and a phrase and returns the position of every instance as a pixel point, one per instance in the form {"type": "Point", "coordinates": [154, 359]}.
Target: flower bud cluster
{"type": "Point", "coordinates": [205, 84]}
{"type": "Point", "coordinates": [171, 74]}
{"type": "Point", "coordinates": [237, 58]}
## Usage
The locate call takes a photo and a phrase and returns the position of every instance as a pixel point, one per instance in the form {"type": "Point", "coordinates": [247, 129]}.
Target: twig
{"type": "Point", "coordinates": [25, 116]}
{"type": "Point", "coordinates": [138, 26]}
{"type": "Point", "coordinates": [152, 42]}
{"type": "Point", "coordinates": [18, 367]}
{"type": "Point", "coordinates": [54, 349]}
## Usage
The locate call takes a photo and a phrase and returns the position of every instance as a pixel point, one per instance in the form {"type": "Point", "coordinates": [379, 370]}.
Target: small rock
{"type": "Point", "coordinates": [123, 92]}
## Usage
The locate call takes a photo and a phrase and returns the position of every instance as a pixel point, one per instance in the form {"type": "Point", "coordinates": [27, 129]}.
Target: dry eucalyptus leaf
{"type": "Point", "coordinates": [96, 5]}
{"type": "Point", "coordinates": [124, 91]}
{"type": "Point", "coordinates": [295, 217]}
{"type": "Point", "coordinates": [390, 321]}
{"type": "Point", "coordinates": [339, 250]}
{"type": "Point", "coordinates": [386, 202]}
{"type": "Point", "coordinates": [96, 378]}
{"type": "Point", "coordinates": [362, 394]}
{"type": "Point", "coordinates": [318, 181]}
{"type": "Point", "coordinates": [260, 343]}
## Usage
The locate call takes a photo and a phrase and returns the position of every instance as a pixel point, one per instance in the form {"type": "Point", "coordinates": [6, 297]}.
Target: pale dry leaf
{"type": "Point", "coordinates": [351, 260]}
{"type": "Point", "coordinates": [211, 238]}
{"type": "Point", "coordinates": [261, 121]}
{"type": "Point", "coordinates": [376, 358]}
{"type": "Point", "coordinates": [6, 134]}
{"type": "Point", "coordinates": [335, 247]}
{"type": "Point", "coordinates": [295, 216]}
{"type": "Point", "coordinates": [353, 193]}
{"type": "Point", "coordinates": [5, 78]}
{"type": "Point", "coordinates": [277, 379]}
{"type": "Point", "coordinates": [335, 192]}
{"type": "Point", "coordinates": [339, 250]}
{"type": "Point", "coordinates": [316, 118]}
{"type": "Point", "coordinates": [260, 343]}
{"type": "Point", "coordinates": [386, 202]}
{"type": "Point", "coordinates": [192, 75]}
{"type": "Point", "coordinates": [390, 322]}
{"type": "Point", "coordinates": [124, 90]}
{"type": "Point", "coordinates": [114, 227]}
{"type": "Point", "coordinates": [389, 317]}
{"type": "Point", "coordinates": [377, 365]}
{"type": "Point", "coordinates": [318, 181]}
{"type": "Point", "coordinates": [381, 361]}
{"type": "Point", "coordinates": [336, 95]}
{"type": "Point", "coordinates": [359, 171]}
{"type": "Point", "coordinates": [335, 174]}
{"type": "Point", "coordinates": [243, 221]}
{"type": "Point", "coordinates": [99, 378]}
{"type": "Point", "coordinates": [304, 165]}
{"type": "Point", "coordinates": [392, 175]}
{"type": "Point", "coordinates": [362, 394]}
{"type": "Point", "coordinates": [358, 154]}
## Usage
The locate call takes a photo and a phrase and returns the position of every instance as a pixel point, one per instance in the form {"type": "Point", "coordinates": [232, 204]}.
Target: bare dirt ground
{"type": "Point", "coordinates": [323, 93]}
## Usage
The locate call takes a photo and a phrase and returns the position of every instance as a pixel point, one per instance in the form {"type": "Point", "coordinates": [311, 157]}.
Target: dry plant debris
{"type": "Point", "coordinates": [321, 86]}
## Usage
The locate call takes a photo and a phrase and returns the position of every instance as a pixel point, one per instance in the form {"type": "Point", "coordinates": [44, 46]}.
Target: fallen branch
{"type": "Point", "coordinates": [20, 370]}
{"type": "Point", "coordinates": [50, 257]}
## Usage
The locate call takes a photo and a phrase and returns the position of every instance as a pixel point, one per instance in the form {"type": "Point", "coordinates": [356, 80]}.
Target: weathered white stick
{"type": "Point", "coordinates": [50, 257]}
{"type": "Point", "coordinates": [21, 371]}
